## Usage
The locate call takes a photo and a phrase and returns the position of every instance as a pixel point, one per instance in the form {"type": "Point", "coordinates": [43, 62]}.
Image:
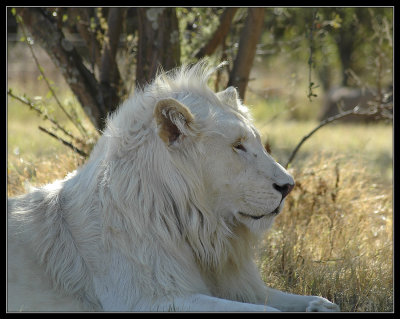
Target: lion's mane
{"type": "Point", "coordinates": [137, 210]}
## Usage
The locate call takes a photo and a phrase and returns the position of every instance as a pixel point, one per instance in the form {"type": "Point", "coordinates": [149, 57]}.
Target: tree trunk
{"type": "Point", "coordinates": [110, 78]}
{"type": "Point", "coordinates": [345, 43]}
{"type": "Point", "coordinates": [249, 38]}
{"type": "Point", "coordinates": [82, 82]}
{"type": "Point", "coordinates": [158, 45]}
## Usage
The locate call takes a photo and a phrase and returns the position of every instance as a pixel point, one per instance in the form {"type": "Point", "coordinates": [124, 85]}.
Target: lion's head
{"type": "Point", "coordinates": [242, 182]}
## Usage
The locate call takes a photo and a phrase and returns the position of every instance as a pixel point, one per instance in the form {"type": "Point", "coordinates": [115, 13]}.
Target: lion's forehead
{"type": "Point", "coordinates": [222, 118]}
{"type": "Point", "coordinates": [235, 127]}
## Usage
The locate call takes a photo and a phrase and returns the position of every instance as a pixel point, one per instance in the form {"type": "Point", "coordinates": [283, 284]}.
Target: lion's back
{"type": "Point", "coordinates": [29, 289]}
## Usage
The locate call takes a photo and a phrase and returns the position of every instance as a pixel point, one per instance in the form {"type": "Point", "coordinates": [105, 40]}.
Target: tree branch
{"type": "Point", "coordinates": [81, 81]}
{"type": "Point", "coordinates": [109, 72]}
{"type": "Point", "coordinates": [374, 112]}
{"type": "Point", "coordinates": [81, 19]}
{"type": "Point", "coordinates": [158, 43]}
{"type": "Point", "coordinates": [76, 124]}
{"type": "Point", "coordinates": [220, 33]}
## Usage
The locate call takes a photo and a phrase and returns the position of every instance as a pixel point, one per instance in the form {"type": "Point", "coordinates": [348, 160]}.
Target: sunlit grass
{"type": "Point", "coordinates": [370, 145]}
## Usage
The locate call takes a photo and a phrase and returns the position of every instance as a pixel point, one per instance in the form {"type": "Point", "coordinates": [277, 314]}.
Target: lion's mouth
{"type": "Point", "coordinates": [251, 216]}
{"type": "Point", "coordinates": [255, 217]}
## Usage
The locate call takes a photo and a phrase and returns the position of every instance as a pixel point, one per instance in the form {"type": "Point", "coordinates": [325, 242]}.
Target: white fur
{"type": "Point", "coordinates": [159, 218]}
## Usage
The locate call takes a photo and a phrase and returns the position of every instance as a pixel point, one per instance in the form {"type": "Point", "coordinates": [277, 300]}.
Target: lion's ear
{"type": "Point", "coordinates": [173, 120]}
{"type": "Point", "coordinates": [229, 96]}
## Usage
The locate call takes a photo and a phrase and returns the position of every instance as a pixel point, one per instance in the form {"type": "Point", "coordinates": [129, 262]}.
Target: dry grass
{"type": "Point", "coordinates": [42, 170]}
{"type": "Point", "coordinates": [334, 238]}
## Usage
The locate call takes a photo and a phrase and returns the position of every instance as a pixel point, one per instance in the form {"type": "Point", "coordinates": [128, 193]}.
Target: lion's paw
{"type": "Point", "coordinates": [322, 305]}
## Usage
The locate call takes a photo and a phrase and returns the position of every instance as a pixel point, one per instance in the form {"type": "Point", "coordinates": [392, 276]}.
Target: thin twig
{"type": "Point", "coordinates": [77, 125]}
{"type": "Point", "coordinates": [73, 147]}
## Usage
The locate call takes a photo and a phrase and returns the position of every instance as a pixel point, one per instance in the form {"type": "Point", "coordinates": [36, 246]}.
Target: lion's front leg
{"type": "Point", "coordinates": [290, 302]}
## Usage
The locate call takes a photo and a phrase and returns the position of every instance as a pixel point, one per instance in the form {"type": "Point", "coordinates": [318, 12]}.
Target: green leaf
{"type": "Point", "coordinates": [92, 24]}
{"type": "Point", "coordinates": [18, 18]}
{"type": "Point", "coordinates": [49, 94]}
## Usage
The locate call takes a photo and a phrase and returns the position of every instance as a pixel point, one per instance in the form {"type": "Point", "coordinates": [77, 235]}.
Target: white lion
{"type": "Point", "coordinates": [163, 216]}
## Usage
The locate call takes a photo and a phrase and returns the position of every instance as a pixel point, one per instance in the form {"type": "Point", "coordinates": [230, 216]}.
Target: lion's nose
{"type": "Point", "coordinates": [283, 189]}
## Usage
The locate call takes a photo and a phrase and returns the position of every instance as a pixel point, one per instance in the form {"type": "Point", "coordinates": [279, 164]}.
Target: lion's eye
{"type": "Point", "coordinates": [239, 146]}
